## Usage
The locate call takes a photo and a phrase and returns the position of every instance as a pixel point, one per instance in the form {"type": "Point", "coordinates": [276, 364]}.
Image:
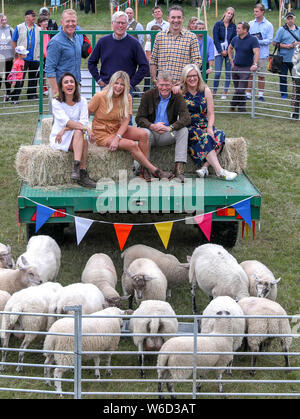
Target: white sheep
{"type": "Point", "coordinates": [262, 282]}
{"type": "Point", "coordinates": [6, 260]}
{"type": "Point", "coordinates": [87, 295]}
{"type": "Point", "coordinates": [145, 281]}
{"type": "Point", "coordinates": [100, 271]}
{"type": "Point", "coordinates": [238, 324]}
{"type": "Point", "coordinates": [210, 343]}
{"type": "Point", "coordinates": [4, 297]}
{"type": "Point", "coordinates": [44, 253]}
{"type": "Point", "coordinates": [13, 280]}
{"type": "Point", "coordinates": [175, 272]}
{"type": "Point", "coordinates": [29, 300]}
{"type": "Point", "coordinates": [152, 325]}
{"type": "Point", "coordinates": [217, 273]}
{"type": "Point", "coordinates": [255, 306]}
{"type": "Point", "coordinates": [97, 343]}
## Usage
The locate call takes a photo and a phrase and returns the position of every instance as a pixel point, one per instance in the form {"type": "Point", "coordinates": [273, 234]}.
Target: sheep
{"type": "Point", "coordinates": [152, 325]}
{"type": "Point", "coordinates": [87, 295]}
{"type": "Point", "coordinates": [4, 297]}
{"type": "Point", "coordinates": [175, 272]}
{"type": "Point", "coordinates": [93, 344]}
{"type": "Point", "coordinates": [29, 300]}
{"type": "Point", "coordinates": [6, 260]}
{"type": "Point", "coordinates": [262, 282]}
{"type": "Point", "coordinates": [210, 343]}
{"type": "Point", "coordinates": [145, 281]}
{"type": "Point", "coordinates": [232, 307]}
{"type": "Point", "coordinates": [217, 273]}
{"type": "Point", "coordinates": [255, 306]}
{"type": "Point", "coordinates": [13, 280]}
{"type": "Point", "coordinates": [100, 271]}
{"type": "Point", "coordinates": [44, 253]}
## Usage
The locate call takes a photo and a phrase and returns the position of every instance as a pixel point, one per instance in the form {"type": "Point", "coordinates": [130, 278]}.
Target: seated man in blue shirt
{"type": "Point", "coordinates": [246, 58]}
{"type": "Point", "coordinates": [165, 116]}
{"type": "Point", "coordinates": [64, 51]}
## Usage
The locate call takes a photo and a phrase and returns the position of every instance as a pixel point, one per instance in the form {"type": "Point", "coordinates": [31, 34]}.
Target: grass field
{"type": "Point", "coordinates": [273, 165]}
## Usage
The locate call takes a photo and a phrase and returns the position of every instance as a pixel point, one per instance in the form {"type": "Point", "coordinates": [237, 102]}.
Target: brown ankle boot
{"type": "Point", "coordinates": [76, 170]}
{"type": "Point", "coordinates": [85, 180]}
{"type": "Point", "coordinates": [160, 174]}
{"type": "Point", "coordinates": [179, 171]}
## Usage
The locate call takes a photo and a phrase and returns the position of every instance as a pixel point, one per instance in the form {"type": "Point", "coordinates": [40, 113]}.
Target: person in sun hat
{"type": "Point", "coordinates": [17, 73]}
{"type": "Point", "coordinates": [288, 36]}
{"type": "Point", "coordinates": [27, 34]}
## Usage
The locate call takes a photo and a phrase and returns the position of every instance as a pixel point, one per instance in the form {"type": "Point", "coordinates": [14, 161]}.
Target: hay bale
{"type": "Point", "coordinates": [46, 129]}
{"type": "Point", "coordinates": [40, 165]}
{"type": "Point", "coordinates": [233, 156]}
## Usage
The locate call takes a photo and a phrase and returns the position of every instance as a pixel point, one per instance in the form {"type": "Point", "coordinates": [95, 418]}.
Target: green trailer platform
{"type": "Point", "coordinates": [159, 197]}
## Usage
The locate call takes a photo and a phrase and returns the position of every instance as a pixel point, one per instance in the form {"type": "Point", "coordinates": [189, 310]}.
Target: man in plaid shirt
{"type": "Point", "coordinates": [174, 48]}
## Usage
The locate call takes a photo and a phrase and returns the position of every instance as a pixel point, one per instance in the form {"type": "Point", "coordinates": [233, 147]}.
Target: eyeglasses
{"type": "Point", "coordinates": [121, 23]}
{"type": "Point", "coordinates": [192, 76]}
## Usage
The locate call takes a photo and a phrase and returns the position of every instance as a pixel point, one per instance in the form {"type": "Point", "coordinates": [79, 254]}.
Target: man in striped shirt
{"type": "Point", "coordinates": [174, 48]}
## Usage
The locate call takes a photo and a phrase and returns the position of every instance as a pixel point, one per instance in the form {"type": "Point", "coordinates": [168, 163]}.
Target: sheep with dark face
{"type": "Point", "coordinates": [262, 282]}
{"type": "Point", "coordinates": [152, 325]}
{"type": "Point", "coordinates": [143, 280]}
{"type": "Point", "coordinates": [6, 260]}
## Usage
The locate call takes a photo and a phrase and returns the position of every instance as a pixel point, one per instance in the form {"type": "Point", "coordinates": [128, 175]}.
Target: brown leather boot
{"type": "Point", "coordinates": [161, 174]}
{"type": "Point", "coordinates": [76, 170]}
{"type": "Point", "coordinates": [85, 180]}
{"type": "Point", "coordinates": [179, 171]}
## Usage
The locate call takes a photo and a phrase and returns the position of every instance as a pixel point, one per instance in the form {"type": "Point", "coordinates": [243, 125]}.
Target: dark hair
{"type": "Point", "coordinates": [245, 26]}
{"type": "Point", "coordinates": [176, 7]}
{"type": "Point", "coordinates": [61, 95]}
{"type": "Point", "coordinates": [260, 6]}
{"type": "Point", "coordinates": [42, 18]}
{"type": "Point", "coordinates": [155, 8]}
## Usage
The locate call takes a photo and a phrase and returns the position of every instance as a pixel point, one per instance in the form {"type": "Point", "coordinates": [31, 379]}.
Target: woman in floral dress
{"type": "Point", "coordinates": [205, 141]}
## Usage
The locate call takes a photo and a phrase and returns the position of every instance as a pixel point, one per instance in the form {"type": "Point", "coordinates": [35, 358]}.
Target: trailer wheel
{"type": "Point", "coordinates": [56, 231]}
{"type": "Point", "coordinates": [224, 233]}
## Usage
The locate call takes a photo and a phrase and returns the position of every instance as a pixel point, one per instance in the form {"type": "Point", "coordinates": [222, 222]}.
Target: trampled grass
{"type": "Point", "coordinates": [273, 165]}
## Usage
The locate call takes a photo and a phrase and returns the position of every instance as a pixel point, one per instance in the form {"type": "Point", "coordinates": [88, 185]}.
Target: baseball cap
{"type": "Point", "coordinates": [29, 12]}
{"type": "Point", "coordinates": [289, 14]}
{"type": "Point", "coordinates": [44, 10]}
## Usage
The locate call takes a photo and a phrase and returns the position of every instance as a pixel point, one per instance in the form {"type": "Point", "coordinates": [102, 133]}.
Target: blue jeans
{"type": "Point", "coordinates": [218, 68]}
{"type": "Point", "coordinates": [286, 67]}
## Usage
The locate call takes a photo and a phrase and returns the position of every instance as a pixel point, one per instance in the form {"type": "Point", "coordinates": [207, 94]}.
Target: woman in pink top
{"type": "Point", "coordinates": [17, 73]}
{"type": "Point", "coordinates": [43, 21]}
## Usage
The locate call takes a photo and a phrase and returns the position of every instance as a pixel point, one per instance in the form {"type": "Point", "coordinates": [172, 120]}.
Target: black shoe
{"type": "Point", "coordinates": [85, 180]}
{"type": "Point", "coordinates": [76, 170]}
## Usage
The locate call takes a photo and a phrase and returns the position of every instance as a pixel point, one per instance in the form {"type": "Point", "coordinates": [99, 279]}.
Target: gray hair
{"type": "Point", "coordinates": [200, 22]}
{"type": "Point", "coordinates": [119, 14]}
{"type": "Point", "coordinates": [165, 75]}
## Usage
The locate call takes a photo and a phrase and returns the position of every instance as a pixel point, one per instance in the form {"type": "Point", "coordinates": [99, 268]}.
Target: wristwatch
{"type": "Point", "coordinates": [119, 136]}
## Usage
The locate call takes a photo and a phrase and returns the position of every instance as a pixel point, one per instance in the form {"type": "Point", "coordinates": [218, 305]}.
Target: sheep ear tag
{"type": "Point", "coordinates": [122, 232]}
{"type": "Point", "coordinates": [164, 231]}
{"type": "Point", "coordinates": [42, 215]}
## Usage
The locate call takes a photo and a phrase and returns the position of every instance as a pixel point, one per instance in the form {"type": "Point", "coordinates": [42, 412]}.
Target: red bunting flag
{"type": "Point", "coordinates": [122, 232]}
{"type": "Point", "coordinates": [204, 222]}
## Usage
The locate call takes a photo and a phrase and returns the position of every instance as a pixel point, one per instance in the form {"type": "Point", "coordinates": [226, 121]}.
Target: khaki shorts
{"type": "Point", "coordinates": [262, 65]}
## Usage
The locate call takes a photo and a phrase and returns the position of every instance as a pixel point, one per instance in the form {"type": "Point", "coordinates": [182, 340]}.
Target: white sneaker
{"type": "Point", "coordinates": [226, 175]}
{"type": "Point", "coordinates": [202, 172]}
{"type": "Point", "coordinates": [224, 97]}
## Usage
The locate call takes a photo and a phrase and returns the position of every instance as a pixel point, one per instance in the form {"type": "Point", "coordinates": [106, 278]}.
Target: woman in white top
{"type": "Point", "coordinates": [70, 129]}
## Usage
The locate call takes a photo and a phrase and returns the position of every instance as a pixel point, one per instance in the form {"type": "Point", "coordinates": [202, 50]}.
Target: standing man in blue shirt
{"type": "Point", "coordinates": [245, 61]}
{"type": "Point", "coordinates": [64, 51]}
{"type": "Point", "coordinates": [288, 36]}
{"type": "Point", "coordinates": [263, 30]}
{"type": "Point", "coordinates": [27, 34]}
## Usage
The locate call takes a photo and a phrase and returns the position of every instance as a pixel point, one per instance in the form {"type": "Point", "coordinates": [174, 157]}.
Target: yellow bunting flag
{"type": "Point", "coordinates": [122, 232]}
{"type": "Point", "coordinates": [164, 231]}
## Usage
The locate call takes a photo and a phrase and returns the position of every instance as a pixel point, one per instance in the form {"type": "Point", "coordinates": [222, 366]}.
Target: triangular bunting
{"type": "Point", "coordinates": [122, 232]}
{"type": "Point", "coordinates": [42, 215]}
{"type": "Point", "coordinates": [244, 209]}
{"type": "Point", "coordinates": [204, 222]}
{"type": "Point", "coordinates": [164, 231]}
{"type": "Point", "coordinates": [82, 225]}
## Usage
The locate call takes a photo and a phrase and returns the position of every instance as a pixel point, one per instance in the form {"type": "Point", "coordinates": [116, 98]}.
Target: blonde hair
{"type": "Point", "coordinates": [189, 67]}
{"type": "Point", "coordinates": [232, 20]}
{"type": "Point", "coordinates": [123, 98]}
{"type": "Point", "coordinates": [69, 12]}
